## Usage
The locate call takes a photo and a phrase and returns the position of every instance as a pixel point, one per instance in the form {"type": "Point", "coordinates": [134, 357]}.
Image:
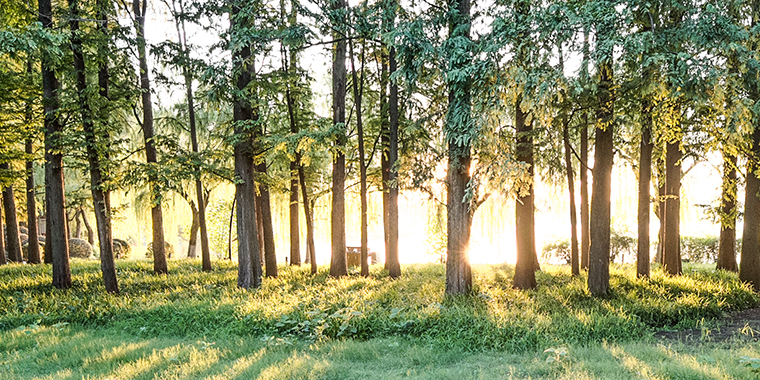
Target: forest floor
{"type": "Point", "coordinates": [196, 325]}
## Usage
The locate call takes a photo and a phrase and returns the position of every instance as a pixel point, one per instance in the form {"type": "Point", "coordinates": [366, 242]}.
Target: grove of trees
{"type": "Point", "coordinates": [509, 94]}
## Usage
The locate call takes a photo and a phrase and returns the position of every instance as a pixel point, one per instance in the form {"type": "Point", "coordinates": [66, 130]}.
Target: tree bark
{"type": "Point", "coordinates": [574, 257]}
{"type": "Point", "coordinates": [157, 216]}
{"type": "Point", "coordinates": [525, 277]}
{"type": "Point", "coordinates": [88, 227]}
{"type": "Point", "coordinates": [57, 245]}
{"type": "Point", "coordinates": [728, 212]}
{"type": "Point", "coordinates": [357, 85]}
{"type": "Point", "coordinates": [270, 256]}
{"type": "Point", "coordinates": [249, 262]}
{"type": "Point", "coordinates": [310, 248]}
{"type": "Point", "coordinates": [295, 231]}
{"type": "Point", "coordinates": [192, 242]}
{"type": "Point", "coordinates": [392, 260]}
{"type": "Point", "coordinates": [290, 66]}
{"type": "Point", "coordinates": [599, 252]}
{"type": "Point", "coordinates": [33, 252]}
{"type": "Point", "coordinates": [385, 133]}
{"type": "Point", "coordinates": [645, 179]}
{"type": "Point", "coordinates": [585, 209]}
{"type": "Point", "coordinates": [338, 265]}
{"type": "Point", "coordinates": [671, 254]}
{"type": "Point", "coordinates": [13, 241]}
{"type": "Point", "coordinates": [458, 270]}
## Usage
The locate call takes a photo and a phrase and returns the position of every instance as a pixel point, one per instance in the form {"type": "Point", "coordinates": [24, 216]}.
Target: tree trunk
{"type": "Point", "coordinates": [295, 238]}
{"type": "Point", "coordinates": [392, 261]}
{"type": "Point", "coordinates": [585, 229]}
{"type": "Point", "coordinates": [385, 133]}
{"type": "Point", "coordinates": [13, 241]}
{"type": "Point", "coordinates": [671, 254]}
{"type": "Point", "coordinates": [88, 227]}
{"type": "Point", "coordinates": [249, 262]}
{"type": "Point", "coordinates": [56, 242]}
{"type": "Point", "coordinates": [290, 65]}
{"type": "Point", "coordinates": [310, 248]}
{"type": "Point", "coordinates": [574, 259]}
{"type": "Point", "coordinates": [728, 212]}
{"type": "Point", "coordinates": [33, 252]}
{"type": "Point", "coordinates": [458, 270]}
{"type": "Point", "coordinates": [101, 202]}
{"type": "Point", "coordinates": [358, 86]}
{"type": "Point", "coordinates": [260, 225]}
{"type": "Point", "coordinates": [599, 252]}
{"type": "Point", "coordinates": [645, 178]}
{"type": "Point", "coordinates": [192, 242]}
{"type": "Point", "coordinates": [157, 216]}
{"type": "Point", "coordinates": [338, 265]}
{"type": "Point", "coordinates": [270, 256]}
{"type": "Point", "coordinates": [525, 277]}
{"type": "Point", "coordinates": [660, 211]}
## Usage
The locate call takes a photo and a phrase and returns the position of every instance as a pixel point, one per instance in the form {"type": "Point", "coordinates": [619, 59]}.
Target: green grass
{"type": "Point", "coordinates": [191, 324]}
{"type": "Point", "coordinates": [190, 303]}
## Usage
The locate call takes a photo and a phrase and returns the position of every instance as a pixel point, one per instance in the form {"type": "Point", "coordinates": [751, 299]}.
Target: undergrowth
{"type": "Point", "coordinates": [300, 307]}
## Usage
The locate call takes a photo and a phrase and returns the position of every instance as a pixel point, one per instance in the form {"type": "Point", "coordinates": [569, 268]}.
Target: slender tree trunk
{"type": "Point", "coordinates": [599, 252]}
{"type": "Point", "coordinates": [645, 178]}
{"type": "Point", "coordinates": [270, 256]}
{"type": "Point", "coordinates": [295, 230]}
{"type": "Point", "coordinates": [57, 245]}
{"type": "Point", "coordinates": [101, 202]}
{"type": "Point", "coordinates": [260, 226]}
{"type": "Point", "coordinates": [33, 252]}
{"type": "Point", "coordinates": [249, 262]}
{"type": "Point", "coordinates": [338, 265]}
{"type": "Point", "coordinates": [358, 86]}
{"type": "Point", "coordinates": [671, 255]}
{"type": "Point", "coordinates": [385, 133]}
{"type": "Point", "coordinates": [192, 242]}
{"type": "Point", "coordinates": [13, 242]}
{"type": "Point", "coordinates": [660, 210]}
{"type": "Point", "coordinates": [310, 248]}
{"type": "Point", "coordinates": [157, 216]}
{"type": "Point", "coordinates": [290, 66]}
{"type": "Point", "coordinates": [574, 257]}
{"type": "Point", "coordinates": [585, 209]}
{"type": "Point", "coordinates": [88, 227]}
{"type": "Point", "coordinates": [458, 270]}
{"type": "Point", "coordinates": [728, 212]}
{"type": "Point", "coordinates": [392, 261]}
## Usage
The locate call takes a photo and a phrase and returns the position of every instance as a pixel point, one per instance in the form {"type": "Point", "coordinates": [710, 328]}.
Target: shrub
{"type": "Point", "coordinates": [168, 249]}
{"type": "Point", "coordinates": [80, 248]}
{"type": "Point", "coordinates": [121, 249]}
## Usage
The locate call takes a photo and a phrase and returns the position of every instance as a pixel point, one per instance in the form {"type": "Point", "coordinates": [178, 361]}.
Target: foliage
{"type": "Point", "coordinates": [301, 307]}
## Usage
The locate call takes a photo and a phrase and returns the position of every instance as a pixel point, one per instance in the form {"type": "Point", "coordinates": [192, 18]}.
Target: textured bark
{"type": "Point", "coordinates": [728, 211]}
{"type": "Point", "coordinates": [56, 243]}
{"type": "Point", "coordinates": [195, 225]}
{"type": "Point", "coordinates": [357, 83]}
{"type": "Point", "coordinates": [249, 262]}
{"type": "Point", "coordinates": [101, 201]}
{"type": "Point", "coordinates": [290, 64]}
{"type": "Point", "coordinates": [392, 260]}
{"type": "Point", "coordinates": [13, 241]}
{"type": "Point", "coordinates": [660, 212]}
{"type": "Point", "coordinates": [671, 253]}
{"type": "Point", "coordinates": [270, 256]}
{"type": "Point", "coordinates": [157, 216]}
{"type": "Point", "coordinates": [87, 227]}
{"type": "Point", "coordinates": [574, 257]}
{"type": "Point", "coordinates": [599, 252]}
{"type": "Point", "coordinates": [749, 271]}
{"type": "Point", "coordinates": [310, 248]}
{"type": "Point", "coordinates": [338, 265]}
{"type": "Point", "coordinates": [645, 180]}
{"type": "Point", "coordinates": [585, 209]}
{"type": "Point", "coordinates": [458, 270]}
{"type": "Point", "coordinates": [525, 277]}
{"type": "Point", "coordinates": [33, 251]}
{"type": "Point", "coordinates": [385, 133]}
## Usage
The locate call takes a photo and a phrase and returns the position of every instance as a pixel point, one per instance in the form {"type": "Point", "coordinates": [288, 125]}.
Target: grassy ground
{"type": "Point", "coordinates": [199, 325]}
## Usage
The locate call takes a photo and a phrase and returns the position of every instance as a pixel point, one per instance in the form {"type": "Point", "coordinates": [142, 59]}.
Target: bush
{"type": "Point", "coordinates": [168, 250]}
{"type": "Point", "coordinates": [79, 248]}
{"type": "Point", "coordinates": [121, 249]}
{"type": "Point", "coordinates": [699, 249]}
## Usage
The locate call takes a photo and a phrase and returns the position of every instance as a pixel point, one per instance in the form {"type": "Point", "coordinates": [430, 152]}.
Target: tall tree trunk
{"type": "Point", "coordinates": [13, 241]}
{"type": "Point", "coordinates": [357, 83]}
{"type": "Point", "coordinates": [338, 265]}
{"type": "Point", "coordinates": [385, 132]}
{"type": "Point", "coordinates": [57, 245]}
{"type": "Point", "coordinates": [249, 262]}
{"type": "Point", "coordinates": [671, 254]}
{"type": "Point", "coordinates": [270, 256]}
{"type": "Point", "coordinates": [310, 248]}
{"type": "Point", "coordinates": [660, 210]}
{"type": "Point", "coordinates": [645, 179]}
{"type": "Point", "coordinates": [574, 257]}
{"type": "Point", "coordinates": [585, 209]}
{"type": "Point", "coordinates": [290, 66]}
{"type": "Point", "coordinates": [458, 270]}
{"type": "Point", "coordinates": [33, 251]}
{"type": "Point", "coordinates": [259, 225]}
{"type": "Point", "coordinates": [392, 260]}
{"type": "Point", "coordinates": [728, 212]}
{"type": "Point", "coordinates": [157, 216]}
{"type": "Point", "coordinates": [749, 270]}
{"type": "Point", "coordinates": [525, 277]}
{"type": "Point", "coordinates": [599, 252]}
{"type": "Point", "coordinates": [100, 197]}
{"type": "Point", "coordinates": [88, 228]}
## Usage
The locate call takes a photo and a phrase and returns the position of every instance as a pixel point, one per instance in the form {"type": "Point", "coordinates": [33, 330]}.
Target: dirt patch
{"type": "Point", "coordinates": [743, 326]}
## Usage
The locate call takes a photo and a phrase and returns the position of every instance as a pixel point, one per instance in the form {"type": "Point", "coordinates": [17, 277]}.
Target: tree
{"type": "Point", "coordinates": [458, 129]}
{"type": "Point", "coordinates": [338, 265]}
{"type": "Point", "coordinates": [392, 259]}
{"type": "Point", "coordinates": [139, 10]}
{"type": "Point", "coordinates": [56, 243]}
{"type": "Point", "coordinates": [13, 242]}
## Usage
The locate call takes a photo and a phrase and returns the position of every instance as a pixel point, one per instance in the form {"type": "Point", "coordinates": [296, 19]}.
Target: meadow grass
{"type": "Point", "coordinates": [191, 324]}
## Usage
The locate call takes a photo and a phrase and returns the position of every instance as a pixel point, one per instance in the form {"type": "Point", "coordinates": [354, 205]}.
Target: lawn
{"type": "Point", "coordinates": [199, 325]}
